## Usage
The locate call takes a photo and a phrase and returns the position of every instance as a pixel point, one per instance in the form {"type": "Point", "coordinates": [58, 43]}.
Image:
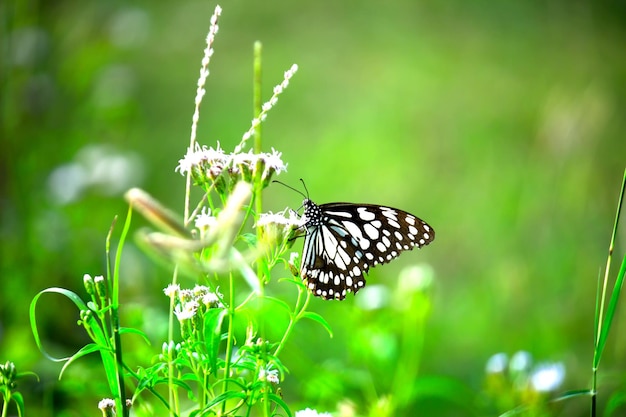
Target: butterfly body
{"type": "Point", "coordinates": [344, 240]}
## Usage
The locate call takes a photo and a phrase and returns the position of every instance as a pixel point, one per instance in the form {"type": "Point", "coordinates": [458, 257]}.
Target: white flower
{"type": "Point", "coordinates": [106, 403]}
{"type": "Point", "coordinates": [547, 377]}
{"type": "Point", "coordinates": [273, 163]}
{"type": "Point", "coordinates": [200, 290]}
{"type": "Point", "coordinates": [520, 361]}
{"type": "Point", "coordinates": [293, 256]}
{"type": "Point", "coordinates": [187, 312]}
{"type": "Point", "coordinates": [269, 375]}
{"type": "Point", "coordinates": [307, 412]}
{"type": "Point", "coordinates": [204, 220]}
{"type": "Point", "coordinates": [203, 157]}
{"type": "Point", "coordinates": [496, 363]}
{"type": "Point", "coordinates": [171, 290]}
{"type": "Point", "coordinates": [280, 219]}
{"type": "Point", "coordinates": [210, 299]}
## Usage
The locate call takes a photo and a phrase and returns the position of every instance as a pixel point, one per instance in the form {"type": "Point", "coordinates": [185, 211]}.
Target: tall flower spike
{"type": "Point", "coordinates": [267, 106]}
{"type": "Point", "coordinates": [204, 72]}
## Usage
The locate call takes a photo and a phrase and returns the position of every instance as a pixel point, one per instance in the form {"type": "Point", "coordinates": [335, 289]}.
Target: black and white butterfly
{"type": "Point", "coordinates": [344, 240]}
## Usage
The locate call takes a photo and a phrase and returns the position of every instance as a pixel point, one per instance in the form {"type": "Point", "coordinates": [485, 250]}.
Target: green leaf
{"type": "Point", "coordinates": [19, 402]}
{"type": "Point", "coordinates": [21, 375]}
{"type": "Point", "coordinates": [250, 239]}
{"type": "Point", "coordinates": [124, 330]}
{"type": "Point", "coordinates": [321, 320]}
{"type": "Point", "coordinates": [572, 394]}
{"type": "Point", "coordinates": [280, 303]}
{"type": "Point", "coordinates": [33, 316]}
{"type": "Point", "coordinates": [279, 401]}
{"type": "Point", "coordinates": [610, 313]}
{"type": "Point", "coordinates": [225, 396]}
{"type": "Point", "coordinates": [84, 351]}
{"type": "Point", "coordinates": [213, 320]}
{"type": "Point", "coordinates": [603, 322]}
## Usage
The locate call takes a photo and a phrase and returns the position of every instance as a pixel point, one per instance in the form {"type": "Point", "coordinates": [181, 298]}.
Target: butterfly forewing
{"type": "Point", "coordinates": [344, 240]}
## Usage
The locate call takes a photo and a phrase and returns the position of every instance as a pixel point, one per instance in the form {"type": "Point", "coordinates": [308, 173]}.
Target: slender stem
{"type": "Point", "coordinates": [608, 264]}
{"type": "Point", "coordinates": [258, 180]}
{"type": "Point", "coordinates": [293, 320]}
{"type": "Point", "coordinates": [7, 400]}
{"type": "Point", "coordinates": [258, 48]}
{"type": "Point", "coordinates": [600, 332]}
{"type": "Point", "coordinates": [115, 320]}
{"type": "Point", "coordinates": [230, 337]}
{"type": "Point", "coordinates": [173, 393]}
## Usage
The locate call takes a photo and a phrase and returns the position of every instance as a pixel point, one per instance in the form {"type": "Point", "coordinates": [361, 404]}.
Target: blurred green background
{"type": "Point", "coordinates": [500, 123]}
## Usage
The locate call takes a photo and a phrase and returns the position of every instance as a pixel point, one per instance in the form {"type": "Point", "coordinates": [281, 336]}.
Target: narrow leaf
{"type": "Point", "coordinates": [321, 320]}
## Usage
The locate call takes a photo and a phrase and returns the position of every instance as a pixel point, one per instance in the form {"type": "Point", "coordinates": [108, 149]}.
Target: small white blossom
{"type": "Point", "coordinates": [272, 376]}
{"type": "Point", "coordinates": [293, 257]}
{"type": "Point", "coordinates": [248, 159]}
{"type": "Point", "coordinates": [210, 299]}
{"type": "Point", "coordinates": [273, 163]}
{"type": "Point", "coordinates": [520, 361]}
{"type": "Point", "coordinates": [497, 363]}
{"type": "Point", "coordinates": [199, 290]}
{"type": "Point", "coordinates": [204, 220]}
{"type": "Point", "coordinates": [171, 290]}
{"type": "Point", "coordinates": [292, 220]}
{"type": "Point", "coordinates": [185, 295]}
{"type": "Point", "coordinates": [547, 377]}
{"type": "Point", "coordinates": [106, 403]}
{"type": "Point", "coordinates": [269, 375]}
{"type": "Point", "coordinates": [203, 157]}
{"type": "Point", "coordinates": [187, 312]}
{"type": "Point", "coordinates": [307, 412]}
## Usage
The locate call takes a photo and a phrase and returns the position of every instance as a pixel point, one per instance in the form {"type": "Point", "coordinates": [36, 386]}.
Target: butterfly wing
{"type": "Point", "coordinates": [345, 240]}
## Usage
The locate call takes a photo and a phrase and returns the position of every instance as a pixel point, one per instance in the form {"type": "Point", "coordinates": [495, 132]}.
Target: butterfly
{"type": "Point", "coordinates": [344, 240]}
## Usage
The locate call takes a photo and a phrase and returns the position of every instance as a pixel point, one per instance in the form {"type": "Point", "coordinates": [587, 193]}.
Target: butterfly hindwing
{"type": "Point", "coordinates": [344, 240]}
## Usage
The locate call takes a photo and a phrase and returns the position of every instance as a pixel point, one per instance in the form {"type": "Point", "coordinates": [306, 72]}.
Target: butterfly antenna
{"type": "Point", "coordinates": [305, 189]}
{"type": "Point", "coordinates": [294, 189]}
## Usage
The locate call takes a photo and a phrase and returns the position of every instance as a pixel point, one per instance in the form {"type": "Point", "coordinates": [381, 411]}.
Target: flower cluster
{"type": "Point", "coordinates": [279, 228]}
{"type": "Point", "coordinates": [192, 303]}
{"type": "Point", "coordinates": [517, 380]}
{"type": "Point", "coordinates": [107, 406]}
{"type": "Point", "coordinates": [308, 412]}
{"type": "Point", "coordinates": [207, 165]}
{"type": "Point", "coordinates": [268, 374]}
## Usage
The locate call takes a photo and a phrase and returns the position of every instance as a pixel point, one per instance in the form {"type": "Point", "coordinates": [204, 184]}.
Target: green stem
{"type": "Point", "coordinates": [293, 319]}
{"type": "Point", "coordinates": [230, 337]}
{"type": "Point", "coordinates": [603, 324]}
{"type": "Point", "coordinates": [115, 319]}
{"type": "Point", "coordinates": [258, 48]}
{"type": "Point", "coordinates": [7, 400]}
{"type": "Point", "coordinates": [258, 180]}
{"type": "Point", "coordinates": [173, 393]}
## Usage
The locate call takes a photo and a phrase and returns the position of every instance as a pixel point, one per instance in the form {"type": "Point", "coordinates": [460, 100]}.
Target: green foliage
{"type": "Point", "coordinates": [499, 122]}
{"type": "Point", "coordinates": [8, 388]}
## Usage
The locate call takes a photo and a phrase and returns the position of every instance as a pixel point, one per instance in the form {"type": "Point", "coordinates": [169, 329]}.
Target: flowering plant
{"type": "Point", "coordinates": [220, 358]}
